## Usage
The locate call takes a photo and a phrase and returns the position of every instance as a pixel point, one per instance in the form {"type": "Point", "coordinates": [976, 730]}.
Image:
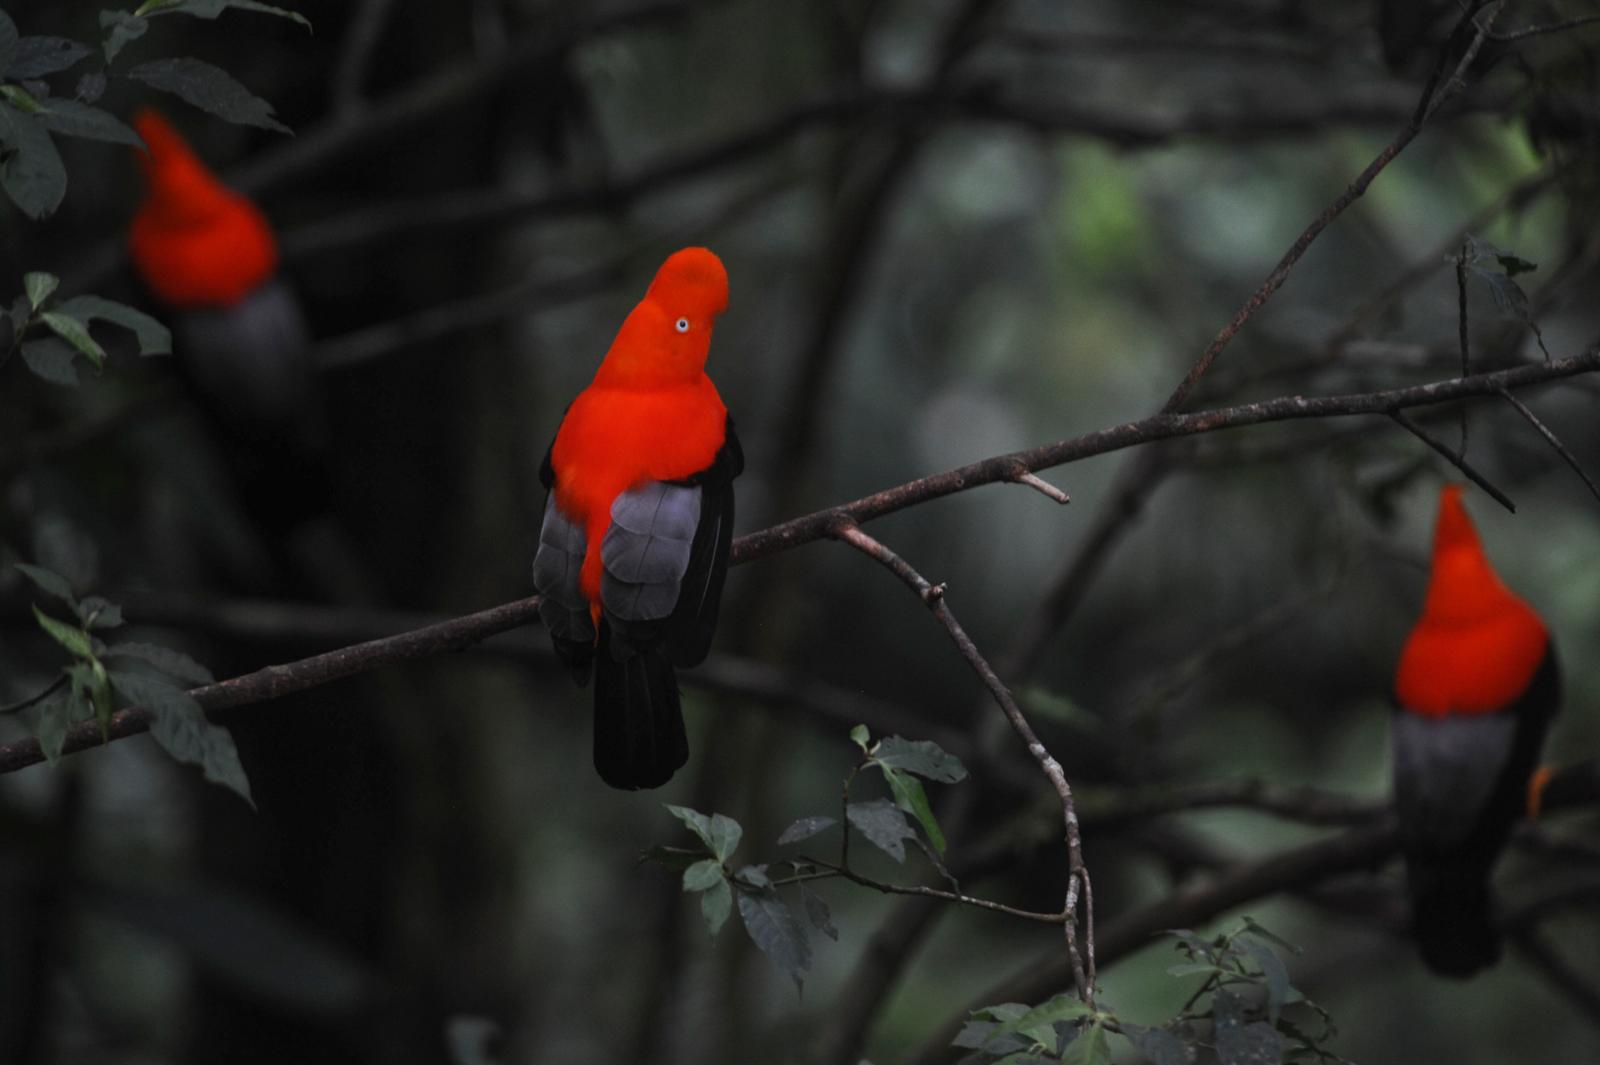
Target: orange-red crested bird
{"type": "Point", "coordinates": [638, 522]}
{"type": "Point", "coordinates": [209, 255]}
{"type": "Point", "coordinates": [1476, 688]}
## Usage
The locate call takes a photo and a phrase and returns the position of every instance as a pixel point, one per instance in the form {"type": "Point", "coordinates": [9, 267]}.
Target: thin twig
{"type": "Point", "coordinates": [1042, 486]}
{"type": "Point", "coordinates": [1552, 439]}
{"type": "Point", "coordinates": [921, 890]}
{"type": "Point", "coordinates": [17, 707]}
{"type": "Point", "coordinates": [1455, 459]}
{"type": "Point", "coordinates": [1426, 106]}
{"type": "Point", "coordinates": [1551, 27]}
{"type": "Point", "coordinates": [932, 596]}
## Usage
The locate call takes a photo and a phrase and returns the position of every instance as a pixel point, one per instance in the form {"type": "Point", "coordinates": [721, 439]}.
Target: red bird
{"type": "Point", "coordinates": [209, 255]}
{"type": "Point", "coordinates": [1476, 689]}
{"type": "Point", "coordinates": [639, 519]}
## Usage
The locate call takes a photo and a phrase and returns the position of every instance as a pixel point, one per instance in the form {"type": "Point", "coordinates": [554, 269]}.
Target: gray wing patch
{"type": "Point", "coordinates": [556, 566]}
{"type": "Point", "coordinates": [646, 550]}
{"type": "Point", "coordinates": [1445, 769]}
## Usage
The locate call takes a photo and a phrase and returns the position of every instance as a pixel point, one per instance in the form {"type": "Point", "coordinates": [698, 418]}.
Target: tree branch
{"type": "Point", "coordinates": [275, 681]}
{"type": "Point", "coordinates": [1079, 893]}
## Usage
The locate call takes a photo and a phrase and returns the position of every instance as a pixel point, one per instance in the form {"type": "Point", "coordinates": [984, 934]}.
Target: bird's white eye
{"type": "Point", "coordinates": [681, 325]}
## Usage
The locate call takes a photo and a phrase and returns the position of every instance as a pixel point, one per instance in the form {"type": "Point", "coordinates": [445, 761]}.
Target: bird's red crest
{"type": "Point", "coordinates": [194, 241]}
{"type": "Point", "coordinates": [1477, 645]}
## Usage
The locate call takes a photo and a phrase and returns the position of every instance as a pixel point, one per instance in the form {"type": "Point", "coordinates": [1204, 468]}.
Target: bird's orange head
{"type": "Point", "coordinates": [194, 241]}
{"type": "Point", "coordinates": [1477, 645]}
{"type": "Point", "coordinates": [665, 339]}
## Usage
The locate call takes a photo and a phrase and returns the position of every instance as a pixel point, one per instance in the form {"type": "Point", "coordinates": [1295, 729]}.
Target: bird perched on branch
{"type": "Point", "coordinates": [208, 254]}
{"type": "Point", "coordinates": [1476, 689]}
{"type": "Point", "coordinates": [638, 522]}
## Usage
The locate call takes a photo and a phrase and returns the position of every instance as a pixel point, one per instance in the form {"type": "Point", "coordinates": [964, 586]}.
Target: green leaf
{"type": "Point", "coordinates": [922, 757]}
{"type": "Point", "coordinates": [860, 736]}
{"type": "Point", "coordinates": [884, 826]}
{"type": "Point", "coordinates": [1261, 931]}
{"type": "Point", "coordinates": [91, 86]}
{"type": "Point", "coordinates": [33, 174]}
{"type": "Point", "coordinates": [20, 98]}
{"type": "Point", "coordinates": [702, 875]}
{"type": "Point", "coordinates": [1064, 1007]}
{"type": "Point", "coordinates": [210, 9]}
{"type": "Point", "coordinates": [1090, 1048]}
{"type": "Point", "coordinates": [39, 285]}
{"type": "Point", "coordinates": [753, 876]}
{"type": "Point", "coordinates": [9, 40]}
{"type": "Point", "coordinates": [1239, 1043]}
{"type": "Point", "coordinates": [910, 797]}
{"type": "Point", "coordinates": [50, 359]}
{"type": "Point", "coordinates": [209, 88]}
{"type": "Point", "coordinates": [124, 29]}
{"type": "Point", "coordinates": [173, 663]}
{"type": "Point", "coordinates": [52, 718]}
{"type": "Point", "coordinates": [76, 333]}
{"type": "Point", "coordinates": [805, 828]}
{"type": "Point", "coordinates": [725, 834]}
{"type": "Point", "coordinates": [715, 905]}
{"type": "Point", "coordinates": [697, 822]}
{"type": "Point", "coordinates": [817, 912]}
{"type": "Point", "coordinates": [179, 725]}
{"type": "Point", "coordinates": [775, 930]}
{"type": "Point", "coordinates": [73, 118]}
{"type": "Point", "coordinates": [74, 639]}
{"type": "Point", "coordinates": [49, 582]}
{"type": "Point", "coordinates": [38, 56]}
{"type": "Point", "coordinates": [154, 338]}
{"type": "Point", "coordinates": [1160, 1047]}
{"type": "Point", "coordinates": [1194, 968]}
{"type": "Point", "coordinates": [98, 612]}
{"type": "Point", "coordinates": [1274, 973]}
{"type": "Point", "coordinates": [1021, 1057]}
{"type": "Point", "coordinates": [90, 678]}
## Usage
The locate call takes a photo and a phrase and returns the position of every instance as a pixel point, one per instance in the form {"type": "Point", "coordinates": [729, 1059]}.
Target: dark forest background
{"type": "Point", "coordinates": [953, 230]}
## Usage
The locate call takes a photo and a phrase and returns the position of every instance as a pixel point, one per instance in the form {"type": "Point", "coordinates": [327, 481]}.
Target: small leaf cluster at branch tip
{"type": "Point", "coordinates": [142, 674]}
{"type": "Point", "coordinates": [1246, 1012]}
{"type": "Point", "coordinates": [62, 329]}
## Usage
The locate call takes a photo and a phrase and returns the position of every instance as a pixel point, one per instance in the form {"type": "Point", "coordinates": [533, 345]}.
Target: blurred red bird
{"type": "Point", "coordinates": [208, 254]}
{"type": "Point", "coordinates": [638, 522]}
{"type": "Point", "coordinates": [1476, 689]}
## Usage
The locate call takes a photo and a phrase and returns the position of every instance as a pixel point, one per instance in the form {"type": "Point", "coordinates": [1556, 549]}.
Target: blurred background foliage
{"type": "Point", "coordinates": [953, 229]}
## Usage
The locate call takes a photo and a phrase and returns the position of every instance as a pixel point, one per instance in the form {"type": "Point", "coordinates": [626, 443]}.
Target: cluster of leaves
{"type": "Point", "coordinates": [101, 676]}
{"type": "Point", "coordinates": [1245, 1012]}
{"type": "Point", "coordinates": [1496, 271]}
{"type": "Point", "coordinates": [768, 917]}
{"type": "Point", "coordinates": [31, 171]}
{"type": "Point", "coordinates": [62, 329]}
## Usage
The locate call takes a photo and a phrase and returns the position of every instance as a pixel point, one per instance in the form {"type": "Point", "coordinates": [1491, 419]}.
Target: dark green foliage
{"type": "Point", "coordinates": [805, 828]}
{"type": "Point", "coordinates": [51, 357]}
{"type": "Point", "coordinates": [32, 173]}
{"type": "Point", "coordinates": [773, 928]}
{"type": "Point", "coordinates": [1237, 1012]}
{"type": "Point", "coordinates": [1495, 270]}
{"type": "Point", "coordinates": [178, 723]}
{"type": "Point", "coordinates": [884, 826]}
{"type": "Point", "coordinates": [209, 88]}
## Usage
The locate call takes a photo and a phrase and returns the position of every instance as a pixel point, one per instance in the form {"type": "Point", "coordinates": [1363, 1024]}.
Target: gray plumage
{"type": "Point", "coordinates": [1445, 770]}
{"type": "Point", "coordinates": [646, 551]}
{"type": "Point", "coordinates": [556, 566]}
{"type": "Point", "coordinates": [253, 363]}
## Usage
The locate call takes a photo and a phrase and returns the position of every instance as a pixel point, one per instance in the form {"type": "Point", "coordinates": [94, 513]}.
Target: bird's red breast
{"type": "Point", "coordinates": [1477, 645]}
{"type": "Point", "coordinates": [651, 413]}
{"type": "Point", "coordinates": [194, 241]}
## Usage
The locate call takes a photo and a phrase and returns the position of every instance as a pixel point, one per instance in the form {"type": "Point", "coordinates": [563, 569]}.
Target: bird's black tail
{"type": "Point", "coordinates": [639, 739]}
{"type": "Point", "coordinates": [1452, 918]}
